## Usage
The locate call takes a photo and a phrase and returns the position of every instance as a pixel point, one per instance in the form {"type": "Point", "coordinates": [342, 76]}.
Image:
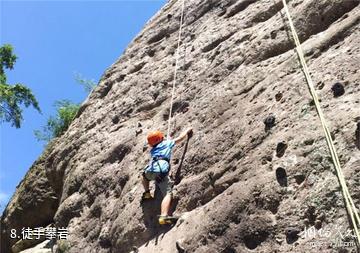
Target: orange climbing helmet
{"type": "Point", "coordinates": [155, 137]}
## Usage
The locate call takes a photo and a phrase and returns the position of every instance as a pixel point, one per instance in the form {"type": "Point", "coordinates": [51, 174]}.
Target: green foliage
{"type": "Point", "coordinates": [87, 84]}
{"type": "Point", "coordinates": [13, 96]}
{"type": "Point", "coordinates": [63, 246]}
{"type": "Point", "coordinates": [8, 59]}
{"type": "Point", "coordinates": [56, 126]}
{"type": "Point", "coordinates": [65, 114]}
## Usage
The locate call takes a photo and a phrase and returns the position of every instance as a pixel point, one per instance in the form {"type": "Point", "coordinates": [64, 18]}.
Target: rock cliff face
{"type": "Point", "coordinates": [244, 185]}
{"type": "Point", "coordinates": [33, 204]}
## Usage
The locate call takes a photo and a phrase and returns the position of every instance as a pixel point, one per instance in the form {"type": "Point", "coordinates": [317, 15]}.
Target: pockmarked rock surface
{"type": "Point", "coordinates": [33, 205]}
{"type": "Point", "coordinates": [257, 174]}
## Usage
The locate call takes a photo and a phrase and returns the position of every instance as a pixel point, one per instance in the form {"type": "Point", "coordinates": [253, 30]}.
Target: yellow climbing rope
{"type": "Point", "coordinates": [350, 206]}
{"type": "Point", "coordinates": [175, 69]}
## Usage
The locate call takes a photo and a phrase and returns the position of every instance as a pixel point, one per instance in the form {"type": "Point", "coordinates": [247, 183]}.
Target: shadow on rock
{"type": "Point", "coordinates": [151, 210]}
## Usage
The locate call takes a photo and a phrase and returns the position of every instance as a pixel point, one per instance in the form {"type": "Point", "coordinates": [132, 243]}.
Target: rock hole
{"type": "Point", "coordinates": [273, 35]}
{"type": "Point", "coordinates": [156, 94]}
{"type": "Point", "coordinates": [233, 66]}
{"type": "Point", "coordinates": [274, 206]}
{"type": "Point", "coordinates": [309, 52]}
{"type": "Point", "coordinates": [266, 159]}
{"type": "Point", "coordinates": [216, 42]}
{"type": "Point", "coordinates": [104, 89]}
{"type": "Point", "coordinates": [236, 156]}
{"type": "Point", "coordinates": [280, 148]}
{"type": "Point", "coordinates": [178, 106]}
{"type": "Point", "coordinates": [229, 250]}
{"type": "Point", "coordinates": [292, 234]}
{"type": "Point", "coordinates": [299, 178]}
{"type": "Point", "coordinates": [338, 89]}
{"type": "Point", "coordinates": [179, 247]}
{"type": "Point", "coordinates": [138, 131]}
{"type": "Point", "coordinates": [310, 214]}
{"type": "Point", "coordinates": [151, 52]}
{"type": "Point", "coordinates": [127, 112]}
{"type": "Point", "coordinates": [320, 85]}
{"type": "Point", "coordinates": [159, 36]}
{"type": "Point", "coordinates": [281, 177]}
{"type": "Point", "coordinates": [240, 6]}
{"type": "Point", "coordinates": [81, 109]}
{"type": "Point", "coordinates": [120, 78]}
{"type": "Point", "coordinates": [309, 142]}
{"type": "Point", "coordinates": [318, 224]}
{"type": "Point", "coordinates": [278, 96]}
{"type": "Point", "coordinates": [333, 136]}
{"type": "Point", "coordinates": [269, 122]}
{"type": "Point", "coordinates": [105, 242]}
{"type": "Point", "coordinates": [135, 249]}
{"type": "Point", "coordinates": [137, 67]}
{"type": "Point", "coordinates": [252, 241]}
{"type": "Point", "coordinates": [115, 119]}
{"type": "Point", "coordinates": [169, 16]}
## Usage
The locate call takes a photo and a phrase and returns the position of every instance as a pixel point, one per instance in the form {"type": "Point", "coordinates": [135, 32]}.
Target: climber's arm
{"type": "Point", "coordinates": [182, 136]}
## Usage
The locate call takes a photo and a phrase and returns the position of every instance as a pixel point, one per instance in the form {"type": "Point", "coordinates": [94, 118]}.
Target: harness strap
{"type": "Point", "coordinates": [157, 158]}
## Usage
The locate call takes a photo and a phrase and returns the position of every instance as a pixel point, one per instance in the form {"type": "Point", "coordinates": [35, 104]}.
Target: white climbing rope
{"type": "Point", "coordinates": [350, 206]}
{"type": "Point", "coordinates": [175, 69]}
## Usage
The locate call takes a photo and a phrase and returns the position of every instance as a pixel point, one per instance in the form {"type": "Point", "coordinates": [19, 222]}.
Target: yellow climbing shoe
{"type": "Point", "coordinates": [146, 196]}
{"type": "Point", "coordinates": [163, 220]}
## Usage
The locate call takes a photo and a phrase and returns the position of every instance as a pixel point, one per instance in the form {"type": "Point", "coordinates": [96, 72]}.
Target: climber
{"type": "Point", "coordinates": [158, 170]}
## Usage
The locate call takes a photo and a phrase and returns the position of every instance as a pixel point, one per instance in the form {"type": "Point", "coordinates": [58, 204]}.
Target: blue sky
{"type": "Point", "coordinates": [53, 40]}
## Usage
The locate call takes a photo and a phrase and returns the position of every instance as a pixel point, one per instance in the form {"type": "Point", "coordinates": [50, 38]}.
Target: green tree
{"type": "Point", "coordinates": [65, 114]}
{"type": "Point", "coordinates": [13, 96]}
{"type": "Point", "coordinates": [57, 125]}
{"type": "Point", "coordinates": [87, 84]}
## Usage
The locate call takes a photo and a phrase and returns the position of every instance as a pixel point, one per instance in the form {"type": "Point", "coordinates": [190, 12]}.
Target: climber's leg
{"type": "Point", "coordinates": [146, 184]}
{"type": "Point", "coordinates": [166, 186]}
{"type": "Point", "coordinates": [165, 205]}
